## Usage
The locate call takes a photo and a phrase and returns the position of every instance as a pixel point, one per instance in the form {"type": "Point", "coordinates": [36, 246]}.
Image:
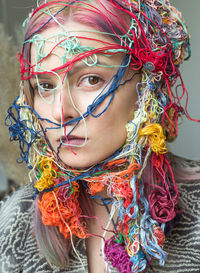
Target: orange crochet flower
{"type": "Point", "coordinates": [66, 215]}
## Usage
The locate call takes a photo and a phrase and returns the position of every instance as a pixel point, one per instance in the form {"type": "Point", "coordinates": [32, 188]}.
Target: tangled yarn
{"type": "Point", "coordinates": [153, 38]}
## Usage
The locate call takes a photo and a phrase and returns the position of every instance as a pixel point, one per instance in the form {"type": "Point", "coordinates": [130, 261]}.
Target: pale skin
{"type": "Point", "coordinates": [105, 134]}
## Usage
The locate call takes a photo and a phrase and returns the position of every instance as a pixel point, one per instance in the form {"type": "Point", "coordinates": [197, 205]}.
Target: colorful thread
{"type": "Point", "coordinates": [154, 42]}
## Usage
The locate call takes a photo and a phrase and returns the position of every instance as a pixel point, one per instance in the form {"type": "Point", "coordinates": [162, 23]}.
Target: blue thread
{"type": "Point", "coordinates": [139, 261]}
{"type": "Point", "coordinates": [18, 130]}
{"type": "Point", "coordinates": [105, 201]}
{"type": "Point", "coordinates": [134, 204]}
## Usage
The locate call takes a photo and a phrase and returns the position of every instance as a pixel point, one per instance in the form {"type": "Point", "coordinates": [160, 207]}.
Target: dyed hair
{"type": "Point", "coordinates": [154, 37]}
{"type": "Point", "coordinates": [76, 11]}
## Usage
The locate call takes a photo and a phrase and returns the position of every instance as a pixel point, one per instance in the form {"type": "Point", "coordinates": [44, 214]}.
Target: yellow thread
{"type": "Point", "coordinates": [154, 132]}
{"type": "Point", "coordinates": [48, 174]}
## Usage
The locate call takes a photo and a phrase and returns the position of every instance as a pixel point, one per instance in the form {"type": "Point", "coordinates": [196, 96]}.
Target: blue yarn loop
{"type": "Point", "coordinates": [18, 129]}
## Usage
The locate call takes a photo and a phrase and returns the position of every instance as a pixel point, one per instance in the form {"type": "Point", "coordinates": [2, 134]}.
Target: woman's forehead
{"type": "Point", "coordinates": [59, 45]}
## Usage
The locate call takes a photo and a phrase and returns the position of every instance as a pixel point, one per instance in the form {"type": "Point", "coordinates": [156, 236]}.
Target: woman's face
{"type": "Point", "coordinates": [67, 96]}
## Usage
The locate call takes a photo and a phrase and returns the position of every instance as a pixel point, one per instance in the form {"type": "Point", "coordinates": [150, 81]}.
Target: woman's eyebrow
{"type": "Point", "coordinates": [41, 76]}
{"type": "Point", "coordinates": [75, 68]}
{"type": "Point", "coordinates": [78, 66]}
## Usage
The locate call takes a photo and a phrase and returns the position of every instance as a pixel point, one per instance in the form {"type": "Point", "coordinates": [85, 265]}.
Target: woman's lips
{"type": "Point", "coordinates": [72, 140]}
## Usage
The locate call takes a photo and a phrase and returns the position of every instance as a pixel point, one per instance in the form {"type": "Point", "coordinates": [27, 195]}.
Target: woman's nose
{"type": "Point", "coordinates": [63, 107]}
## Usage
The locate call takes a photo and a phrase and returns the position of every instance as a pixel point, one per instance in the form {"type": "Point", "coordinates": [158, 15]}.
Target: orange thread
{"type": "Point", "coordinates": [51, 208]}
{"type": "Point", "coordinates": [97, 184]}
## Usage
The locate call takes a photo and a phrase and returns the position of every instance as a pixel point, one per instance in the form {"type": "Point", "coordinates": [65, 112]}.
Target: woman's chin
{"type": "Point", "coordinates": [85, 157]}
{"type": "Point", "coordinates": [82, 160]}
{"type": "Point", "coordinates": [77, 162]}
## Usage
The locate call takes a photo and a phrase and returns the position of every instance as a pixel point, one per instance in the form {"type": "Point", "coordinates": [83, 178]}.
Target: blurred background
{"type": "Point", "coordinates": [12, 15]}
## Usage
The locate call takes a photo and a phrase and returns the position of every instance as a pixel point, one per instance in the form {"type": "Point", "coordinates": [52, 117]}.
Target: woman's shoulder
{"type": "Point", "coordinates": [18, 247]}
{"type": "Point", "coordinates": [18, 202]}
{"type": "Point", "coordinates": [183, 161]}
{"type": "Point", "coordinates": [185, 169]}
{"type": "Point", "coordinates": [187, 175]}
{"type": "Point", "coordinates": [16, 222]}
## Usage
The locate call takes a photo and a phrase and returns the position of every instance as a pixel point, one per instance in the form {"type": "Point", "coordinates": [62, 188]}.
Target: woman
{"type": "Point", "coordinates": [95, 108]}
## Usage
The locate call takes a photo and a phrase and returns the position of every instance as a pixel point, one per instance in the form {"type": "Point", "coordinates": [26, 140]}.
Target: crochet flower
{"type": "Point", "coordinates": [47, 173]}
{"type": "Point", "coordinates": [65, 215]}
{"type": "Point", "coordinates": [154, 132]}
{"type": "Point", "coordinates": [161, 206]}
{"type": "Point", "coordinates": [116, 254]}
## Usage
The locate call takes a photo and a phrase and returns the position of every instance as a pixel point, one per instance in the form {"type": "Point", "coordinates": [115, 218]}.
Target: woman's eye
{"type": "Point", "coordinates": [43, 87]}
{"type": "Point", "coordinates": [91, 81]}
{"type": "Point", "coordinates": [46, 86]}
